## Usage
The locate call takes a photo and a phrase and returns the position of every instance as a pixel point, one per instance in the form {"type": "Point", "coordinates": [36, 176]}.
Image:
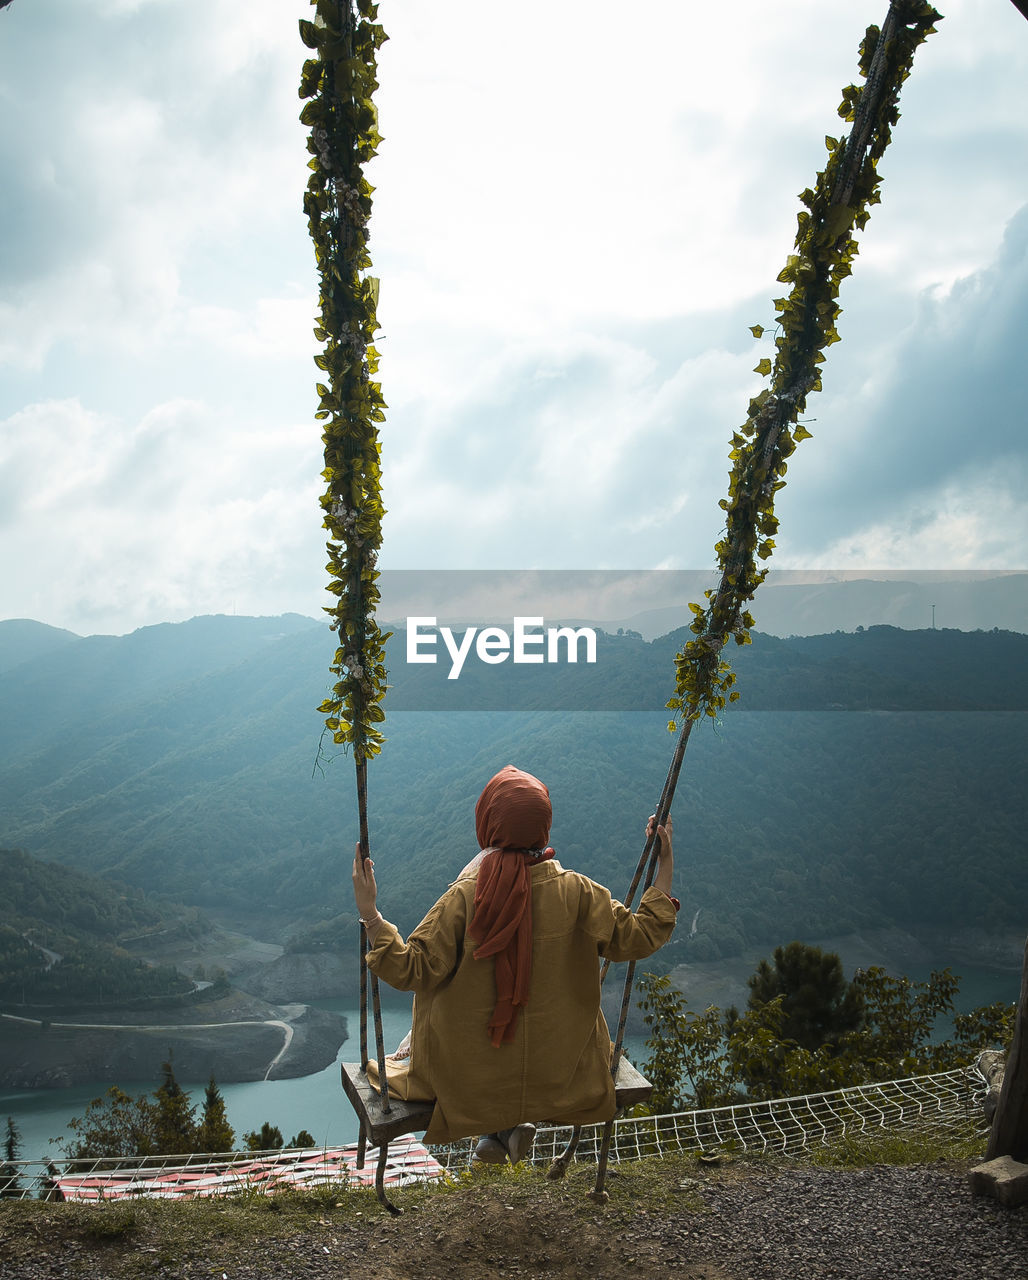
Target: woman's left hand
{"type": "Point", "coordinates": [665, 869]}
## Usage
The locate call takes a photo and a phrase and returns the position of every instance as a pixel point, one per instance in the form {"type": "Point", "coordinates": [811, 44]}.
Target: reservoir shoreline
{"type": "Point", "coordinates": [314, 1100]}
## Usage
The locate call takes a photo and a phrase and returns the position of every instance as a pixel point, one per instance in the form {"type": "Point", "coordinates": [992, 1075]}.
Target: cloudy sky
{"type": "Point", "coordinates": [580, 210]}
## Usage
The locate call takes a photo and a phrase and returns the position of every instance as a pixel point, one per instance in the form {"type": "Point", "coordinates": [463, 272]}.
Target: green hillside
{"type": "Point", "coordinates": [62, 933]}
{"type": "Point", "coordinates": [865, 779]}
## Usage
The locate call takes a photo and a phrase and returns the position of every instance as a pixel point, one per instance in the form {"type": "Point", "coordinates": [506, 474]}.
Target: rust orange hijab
{"type": "Point", "coordinates": [512, 821]}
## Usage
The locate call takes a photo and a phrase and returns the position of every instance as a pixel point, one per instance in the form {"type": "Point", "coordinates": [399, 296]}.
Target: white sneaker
{"type": "Point", "coordinates": [519, 1142]}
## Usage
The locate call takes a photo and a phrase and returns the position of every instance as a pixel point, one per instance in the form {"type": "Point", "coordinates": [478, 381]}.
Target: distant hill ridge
{"type": "Point", "coordinates": [784, 608]}
{"type": "Point", "coordinates": [22, 640]}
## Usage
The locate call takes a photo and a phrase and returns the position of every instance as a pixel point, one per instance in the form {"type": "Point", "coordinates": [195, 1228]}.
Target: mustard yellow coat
{"type": "Point", "coordinates": [557, 1068]}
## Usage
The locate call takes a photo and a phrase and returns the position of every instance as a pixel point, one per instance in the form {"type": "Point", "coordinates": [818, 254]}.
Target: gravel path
{"type": "Point", "coordinates": [745, 1222]}
{"type": "Point", "coordinates": [878, 1223]}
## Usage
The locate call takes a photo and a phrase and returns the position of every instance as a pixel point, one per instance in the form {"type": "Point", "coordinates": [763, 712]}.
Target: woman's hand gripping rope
{"type": "Point", "coordinates": [666, 858]}
{"type": "Point", "coordinates": [365, 893]}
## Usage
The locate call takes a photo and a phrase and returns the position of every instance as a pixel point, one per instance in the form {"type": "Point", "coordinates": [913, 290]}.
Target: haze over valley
{"type": "Point", "coordinates": [869, 784]}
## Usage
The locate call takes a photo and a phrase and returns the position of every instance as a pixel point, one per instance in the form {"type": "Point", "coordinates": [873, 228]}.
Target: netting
{"type": "Point", "coordinates": [946, 1103]}
{"type": "Point", "coordinates": [184, 1177]}
{"type": "Point", "coordinates": [943, 1104]}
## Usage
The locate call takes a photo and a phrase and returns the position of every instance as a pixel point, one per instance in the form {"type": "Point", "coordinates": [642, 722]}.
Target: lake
{"type": "Point", "coordinates": [317, 1102]}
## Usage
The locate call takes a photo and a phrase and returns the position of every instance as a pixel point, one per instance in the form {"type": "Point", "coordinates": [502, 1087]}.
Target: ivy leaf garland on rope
{"type": "Point", "coordinates": [340, 81]}
{"type": "Point", "coordinates": [825, 248]}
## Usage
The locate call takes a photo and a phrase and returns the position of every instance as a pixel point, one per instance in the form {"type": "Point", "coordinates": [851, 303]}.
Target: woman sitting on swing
{"type": "Point", "coordinates": [507, 1023]}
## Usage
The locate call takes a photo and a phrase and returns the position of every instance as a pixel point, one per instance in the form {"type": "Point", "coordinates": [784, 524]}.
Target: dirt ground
{"type": "Point", "coordinates": [745, 1220]}
{"type": "Point", "coordinates": [499, 1223]}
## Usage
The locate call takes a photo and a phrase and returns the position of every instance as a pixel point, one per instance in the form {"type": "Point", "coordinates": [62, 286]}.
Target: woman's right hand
{"type": "Point", "coordinates": [365, 892]}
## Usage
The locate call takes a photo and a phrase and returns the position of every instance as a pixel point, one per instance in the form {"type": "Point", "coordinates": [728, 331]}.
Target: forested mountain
{"type": "Point", "coordinates": [61, 932]}
{"type": "Point", "coordinates": [187, 762]}
{"type": "Point", "coordinates": [878, 668]}
{"type": "Point", "coordinates": [61, 903]}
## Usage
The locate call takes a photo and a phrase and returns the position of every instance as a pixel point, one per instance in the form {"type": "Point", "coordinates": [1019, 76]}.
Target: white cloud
{"type": "Point", "coordinates": [272, 329]}
{"type": "Point", "coordinates": [575, 223]}
{"type": "Point", "coordinates": [907, 445]}
{"type": "Point", "coordinates": [139, 167]}
{"type": "Point", "coordinates": [979, 521]}
{"type": "Point", "coordinates": [112, 524]}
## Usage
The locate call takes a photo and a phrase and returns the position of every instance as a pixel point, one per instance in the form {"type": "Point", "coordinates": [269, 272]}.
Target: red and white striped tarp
{"type": "Point", "coordinates": [409, 1161]}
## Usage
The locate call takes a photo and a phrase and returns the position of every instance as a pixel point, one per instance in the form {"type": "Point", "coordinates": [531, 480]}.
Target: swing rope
{"type": "Point", "coordinates": [376, 1003]}
{"type": "Point", "coordinates": [825, 248]}
{"type": "Point", "coordinates": [339, 82]}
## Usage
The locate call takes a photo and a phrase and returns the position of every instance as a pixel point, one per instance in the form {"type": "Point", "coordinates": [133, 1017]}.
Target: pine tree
{"type": "Point", "coordinates": [819, 1004]}
{"type": "Point", "coordinates": [12, 1142]}
{"type": "Point", "coordinates": [214, 1134]}
{"type": "Point", "coordinates": [10, 1187]}
{"type": "Point", "coordinates": [175, 1118]}
{"type": "Point", "coordinates": [269, 1138]}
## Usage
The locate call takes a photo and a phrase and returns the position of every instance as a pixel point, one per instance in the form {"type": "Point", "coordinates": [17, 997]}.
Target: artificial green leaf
{"type": "Point", "coordinates": [839, 219]}
{"type": "Point", "coordinates": [309, 34]}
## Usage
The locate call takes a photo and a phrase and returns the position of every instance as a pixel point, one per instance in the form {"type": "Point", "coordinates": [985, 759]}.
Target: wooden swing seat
{"type": "Point", "coordinates": [380, 1126]}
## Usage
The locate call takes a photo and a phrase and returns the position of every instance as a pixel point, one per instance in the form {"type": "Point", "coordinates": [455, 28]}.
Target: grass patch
{"type": "Point", "coordinates": [493, 1212]}
{"type": "Point", "coordinates": [884, 1146]}
{"type": "Point", "coordinates": [111, 1222]}
{"type": "Point", "coordinates": [183, 1229]}
{"type": "Point", "coordinates": [656, 1186]}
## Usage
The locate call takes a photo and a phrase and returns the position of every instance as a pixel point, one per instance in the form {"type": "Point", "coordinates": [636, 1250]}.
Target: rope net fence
{"type": "Point", "coordinates": [943, 1104]}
